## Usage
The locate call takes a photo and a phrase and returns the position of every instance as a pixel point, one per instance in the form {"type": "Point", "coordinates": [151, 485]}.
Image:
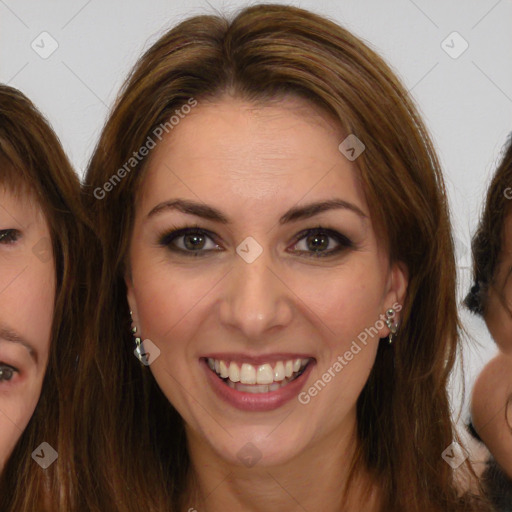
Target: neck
{"type": "Point", "coordinates": [317, 476]}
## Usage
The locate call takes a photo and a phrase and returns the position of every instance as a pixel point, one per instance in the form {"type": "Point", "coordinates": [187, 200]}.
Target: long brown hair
{"type": "Point", "coordinates": [33, 162]}
{"type": "Point", "coordinates": [264, 53]}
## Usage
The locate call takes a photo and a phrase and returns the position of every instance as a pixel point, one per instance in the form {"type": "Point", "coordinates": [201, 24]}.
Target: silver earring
{"type": "Point", "coordinates": [392, 325]}
{"type": "Point", "coordinates": [137, 340]}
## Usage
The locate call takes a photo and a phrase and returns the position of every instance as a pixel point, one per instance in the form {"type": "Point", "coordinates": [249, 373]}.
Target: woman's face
{"type": "Point", "coordinates": [27, 290]}
{"type": "Point", "coordinates": [498, 315]}
{"type": "Point", "coordinates": [246, 290]}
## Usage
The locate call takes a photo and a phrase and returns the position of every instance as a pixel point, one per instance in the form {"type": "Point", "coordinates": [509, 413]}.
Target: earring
{"type": "Point", "coordinates": [392, 325]}
{"type": "Point", "coordinates": [138, 347]}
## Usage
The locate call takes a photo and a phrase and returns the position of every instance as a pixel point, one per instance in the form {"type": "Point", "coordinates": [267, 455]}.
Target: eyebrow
{"type": "Point", "coordinates": [12, 337]}
{"type": "Point", "coordinates": [293, 214]}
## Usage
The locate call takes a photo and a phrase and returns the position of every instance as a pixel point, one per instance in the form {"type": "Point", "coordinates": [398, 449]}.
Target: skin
{"type": "Point", "coordinates": [27, 291]}
{"type": "Point", "coordinates": [253, 164]}
{"type": "Point", "coordinates": [494, 384]}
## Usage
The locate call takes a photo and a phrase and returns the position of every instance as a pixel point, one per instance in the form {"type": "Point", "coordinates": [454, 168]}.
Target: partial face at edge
{"type": "Point", "coordinates": [27, 293]}
{"type": "Point", "coordinates": [255, 164]}
{"type": "Point", "coordinates": [498, 315]}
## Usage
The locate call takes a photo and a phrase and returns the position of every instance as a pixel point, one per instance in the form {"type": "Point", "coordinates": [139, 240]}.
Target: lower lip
{"type": "Point", "coordinates": [256, 401]}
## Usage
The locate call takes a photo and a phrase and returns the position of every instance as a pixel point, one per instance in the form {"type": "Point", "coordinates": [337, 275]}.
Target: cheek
{"type": "Point", "coordinates": [16, 408]}
{"type": "Point", "coordinates": [349, 306]}
{"type": "Point", "coordinates": [10, 433]}
{"type": "Point", "coordinates": [169, 299]}
{"type": "Point", "coordinates": [348, 303]}
{"type": "Point", "coordinates": [34, 299]}
{"type": "Point", "coordinates": [499, 323]}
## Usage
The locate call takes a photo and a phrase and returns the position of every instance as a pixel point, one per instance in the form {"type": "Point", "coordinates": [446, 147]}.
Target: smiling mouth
{"type": "Point", "coordinates": [263, 378]}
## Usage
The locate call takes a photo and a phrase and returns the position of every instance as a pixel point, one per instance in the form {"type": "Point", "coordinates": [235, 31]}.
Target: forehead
{"type": "Point", "coordinates": [15, 181]}
{"type": "Point", "coordinates": [19, 202]}
{"type": "Point", "coordinates": [252, 154]}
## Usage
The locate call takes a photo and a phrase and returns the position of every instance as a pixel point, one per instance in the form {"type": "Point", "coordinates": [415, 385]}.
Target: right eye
{"type": "Point", "coordinates": [9, 236]}
{"type": "Point", "coordinates": [6, 372]}
{"type": "Point", "coordinates": [194, 235]}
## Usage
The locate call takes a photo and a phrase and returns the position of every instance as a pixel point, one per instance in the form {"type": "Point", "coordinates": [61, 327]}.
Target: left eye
{"type": "Point", "coordinates": [6, 372]}
{"type": "Point", "coordinates": [319, 240]}
{"type": "Point", "coordinates": [192, 241]}
{"type": "Point", "coordinates": [9, 236]}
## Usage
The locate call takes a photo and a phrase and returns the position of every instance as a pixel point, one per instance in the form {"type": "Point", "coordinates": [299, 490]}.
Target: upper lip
{"type": "Point", "coordinates": [257, 359]}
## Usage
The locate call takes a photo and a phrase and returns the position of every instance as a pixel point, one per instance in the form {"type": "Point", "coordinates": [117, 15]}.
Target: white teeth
{"type": "Point", "coordinates": [234, 372]}
{"type": "Point", "coordinates": [279, 372]}
{"type": "Point", "coordinates": [288, 368]}
{"type": "Point", "coordinates": [264, 374]}
{"type": "Point", "coordinates": [258, 376]}
{"type": "Point", "coordinates": [224, 372]}
{"type": "Point", "coordinates": [248, 374]}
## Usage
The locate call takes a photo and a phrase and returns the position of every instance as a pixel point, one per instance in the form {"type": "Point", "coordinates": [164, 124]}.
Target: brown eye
{"type": "Point", "coordinates": [193, 241]}
{"type": "Point", "coordinates": [9, 236]}
{"type": "Point", "coordinates": [317, 242]}
{"type": "Point", "coordinates": [6, 372]}
{"type": "Point", "coordinates": [189, 242]}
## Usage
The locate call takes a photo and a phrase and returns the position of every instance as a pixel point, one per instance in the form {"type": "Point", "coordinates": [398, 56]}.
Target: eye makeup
{"type": "Point", "coordinates": [168, 239]}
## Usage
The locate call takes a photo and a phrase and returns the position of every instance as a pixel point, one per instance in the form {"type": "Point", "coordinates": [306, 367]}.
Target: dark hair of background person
{"type": "Point", "coordinates": [488, 240]}
{"type": "Point", "coordinates": [403, 413]}
{"type": "Point", "coordinates": [33, 162]}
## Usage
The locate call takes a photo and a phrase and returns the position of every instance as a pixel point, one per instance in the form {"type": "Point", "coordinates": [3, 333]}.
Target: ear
{"type": "Point", "coordinates": [130, 296]}
{"type": "Point", "coordinates": [398, 282]}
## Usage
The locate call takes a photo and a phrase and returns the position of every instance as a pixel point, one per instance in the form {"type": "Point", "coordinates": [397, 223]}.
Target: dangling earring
{"type": "Point", "coordinates": [393, 326]}
{"type": "Point", "coordinates": [138, 344]}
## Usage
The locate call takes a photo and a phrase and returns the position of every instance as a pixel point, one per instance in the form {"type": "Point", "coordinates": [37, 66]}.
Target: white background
{"type": "Point", "coordinates": [466, 101]}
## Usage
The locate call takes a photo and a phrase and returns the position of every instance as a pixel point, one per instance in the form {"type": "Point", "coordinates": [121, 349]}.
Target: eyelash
{"type": "Point", "coordinates": [10, 369]}
{"type": "Point", "coordinates": [9, 236]}
{"type": "Point", "coordinates": [166, 239]}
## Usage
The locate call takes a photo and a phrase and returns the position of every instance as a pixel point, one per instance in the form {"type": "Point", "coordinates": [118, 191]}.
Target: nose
{"type": "Point", "coordinates": [256, 298]}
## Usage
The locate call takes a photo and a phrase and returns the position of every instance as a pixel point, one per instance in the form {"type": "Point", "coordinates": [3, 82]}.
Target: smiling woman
{"type": "Point", "coordinates": [291, 234]}
{"type": "Point", "coordinates": [40, 311]}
